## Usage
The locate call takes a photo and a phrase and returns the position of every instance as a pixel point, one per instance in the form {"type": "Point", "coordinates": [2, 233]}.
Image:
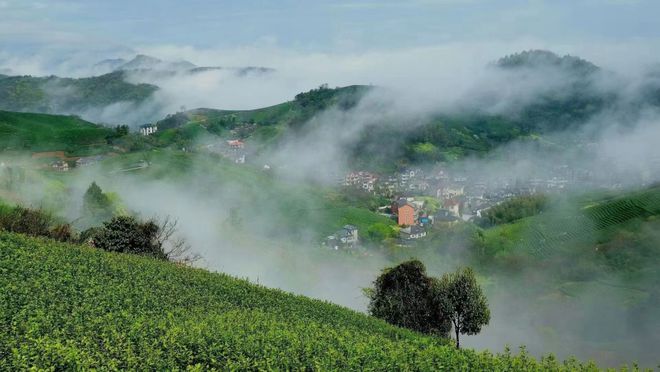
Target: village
{"type": "Point", "coordinates": [422, 198]}
{"type": "Point", "coordinates": [419, 198]}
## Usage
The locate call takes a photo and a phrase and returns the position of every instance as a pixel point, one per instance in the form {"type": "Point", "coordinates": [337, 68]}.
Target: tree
{"type": "Point", "coordinates": [461, 299]}
{"type": "Point", "coordinates": [403, 296]}
{"type": "Point", "coordinates": [96, 204]}
{"type": "Point", "coordinates": [121, 130]}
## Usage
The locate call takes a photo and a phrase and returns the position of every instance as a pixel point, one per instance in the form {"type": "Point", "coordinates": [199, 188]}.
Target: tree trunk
{"type": "Point", "coordinates": [458, 343]}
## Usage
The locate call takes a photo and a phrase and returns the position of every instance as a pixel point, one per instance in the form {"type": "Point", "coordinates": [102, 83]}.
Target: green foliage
{"type": "Point", "coordinates": [513, 210]}
{"type": "Point", "coordinates": [68, 307]}
{"type": "Point", "coordinates": [425, 152]}
{"type": "Point", "coordinates": [96, 205]}
{"type": "Point", "coordinates": [462, 301]}
{"type": "Point", "coordinates": [379, 232]}
{"type": "Point", "coordinates": [53, 94]}
{"type": "Point", "coordinates": [125, 234]}
{"type": "Point", "coordinates": [121, 130]}
{"type": "Point", "coordinates": [33, 222]}
{"type": "Point", "coordinates": [404, 296]}
{"type": "Point", "coordinates": [40, 132]}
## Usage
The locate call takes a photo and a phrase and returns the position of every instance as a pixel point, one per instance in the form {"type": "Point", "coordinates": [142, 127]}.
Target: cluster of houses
{"type": "Point", "coordinates": [466, 196]}
{"type": "Point", "coordinates": [234, 150]}
{"type": "Point", "coordinates": [414, 218]}
{"type": "Point", "coordinates": [362, 180]}
{"type": "Point", "coordinates": [62, 165]}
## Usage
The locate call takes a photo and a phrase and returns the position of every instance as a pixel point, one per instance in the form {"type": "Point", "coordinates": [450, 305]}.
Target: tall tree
{"type": "Point", "coordinates": [403, 295]}
{"type": "Point", "coordinates": [461, 299]}
{"type": "Point", "coordinates": [96, 204]}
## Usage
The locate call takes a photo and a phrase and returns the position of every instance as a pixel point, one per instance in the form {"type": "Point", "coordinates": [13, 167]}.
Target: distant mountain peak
{"type": "Point", "coordinates": [544, 58]}
{"type": "Point", "coordinates": [145, 62]}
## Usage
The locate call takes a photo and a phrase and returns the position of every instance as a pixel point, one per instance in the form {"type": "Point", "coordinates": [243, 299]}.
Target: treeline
{"type": "Point", "coordinates": [54, 94]}
{"type": "Point", "coordinates": [513, 210]}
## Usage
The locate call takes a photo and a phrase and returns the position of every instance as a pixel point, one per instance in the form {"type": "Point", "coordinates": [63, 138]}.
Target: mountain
{"type": "Point", "coordinates": [442, 136]}
{"type": "Point", "coordinates": [53, 94]}
{"type": "Point", "coordinates": [74, 307]}
{"type": "Point", "coordinates": [144, 62]}
{"type": "Point", "coordinates": [545, 94]}
{"type": "Point", "coordinates": [109, 65]}
{"type": "Point", "coordinates": [534, 59]}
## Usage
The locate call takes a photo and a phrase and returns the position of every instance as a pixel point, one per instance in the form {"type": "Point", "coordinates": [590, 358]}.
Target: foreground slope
{"type": "Point", "coordinates": [72, 307]}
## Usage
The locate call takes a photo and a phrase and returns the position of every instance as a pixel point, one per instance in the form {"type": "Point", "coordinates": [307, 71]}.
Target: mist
{"type": "Point", "coordinates": [618, 148]}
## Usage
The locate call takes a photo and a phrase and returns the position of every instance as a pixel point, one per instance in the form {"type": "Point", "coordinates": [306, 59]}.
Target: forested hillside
{"type": "Point", "coordinates": [54, 94]}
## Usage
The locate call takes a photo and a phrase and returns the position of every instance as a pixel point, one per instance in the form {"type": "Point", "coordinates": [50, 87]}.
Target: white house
{"type": "Point", "coordinates": [148, 129]}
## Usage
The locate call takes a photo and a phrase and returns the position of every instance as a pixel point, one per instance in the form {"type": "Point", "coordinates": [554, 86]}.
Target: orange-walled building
{"type": "Point", "coordinates": [406, 214]}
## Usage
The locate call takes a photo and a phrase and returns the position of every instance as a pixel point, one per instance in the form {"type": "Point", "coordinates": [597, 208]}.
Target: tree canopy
{"type": "Point", "coordinates": [403, 296]}
{"type": "Point", "coordinates": [461, 299]}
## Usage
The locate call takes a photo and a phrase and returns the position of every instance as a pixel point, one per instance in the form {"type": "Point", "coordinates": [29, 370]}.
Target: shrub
{"type": "Point", "coordinates": [34, 222]}
{"type": "Point", "coordinates": [62, 232]}
{"type": "Point", "coordinates": [26, 221]}
{"type": "Point", "coordinates": [126, 234]}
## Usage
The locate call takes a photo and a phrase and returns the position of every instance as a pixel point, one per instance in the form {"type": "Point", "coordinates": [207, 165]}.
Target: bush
{"type": "Point", "coordinates": [62, 232]}
{"type": "Point", "coordinates": [34, 222]}
{"type": "Point", "coordinates": [379, 231]}
{"type": "Point", "coordinates": [126, 234]}
{"type": "Point", "coordinates": [513, 210]}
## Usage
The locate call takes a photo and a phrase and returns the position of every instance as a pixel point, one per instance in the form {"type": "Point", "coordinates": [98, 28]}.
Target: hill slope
{"type": "Point", "coordinates": [71, 307]}
{"type": "Point", "coordinates": [53, 94]}
{"type": "Point", "coordinates": [42, 132]}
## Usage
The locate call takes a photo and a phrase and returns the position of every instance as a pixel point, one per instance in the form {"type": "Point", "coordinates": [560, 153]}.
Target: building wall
{"type": "Point", "coordinates": [406, 215]}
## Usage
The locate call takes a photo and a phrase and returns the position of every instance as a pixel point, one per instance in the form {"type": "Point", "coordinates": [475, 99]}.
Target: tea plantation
{"type": "Point", "coordinates": [66, 307]}
{"type": "Point", "coordinates": [41, 132]}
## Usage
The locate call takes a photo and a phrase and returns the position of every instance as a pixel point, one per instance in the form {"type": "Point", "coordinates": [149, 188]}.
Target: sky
{"type": "Point", "coordinates": [415, 43]}
{"type": "Point", "coordinates": [321, 25]}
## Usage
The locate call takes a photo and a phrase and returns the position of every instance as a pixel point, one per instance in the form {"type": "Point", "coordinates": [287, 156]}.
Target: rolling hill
{"type": "Point", "coordinates": [42, 132]}
{"type": "Point", "coordinates": [53, 94]}
{"type": "Point", "coordinates": [147, 63]}
{"type": "Point", "coordinates": [479, 123]}
{"type": "Point", "coordinates": [72, 307]}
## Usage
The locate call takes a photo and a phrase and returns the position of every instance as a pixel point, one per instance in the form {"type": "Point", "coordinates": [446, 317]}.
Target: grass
{"type": "Point", "coordinates": [580, 220]}
{"type": "Point", "coordinates": [68, 307]}
{"type": "Point", "coordinates": [42, 132]}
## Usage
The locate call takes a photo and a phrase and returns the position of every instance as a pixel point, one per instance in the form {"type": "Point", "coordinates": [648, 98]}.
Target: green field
{"type": "Point", "coordinates": [580, 220]}
{"type": "Point", "coordinates": [69, 307]}
{"type": "Point", "coordinates": [41, 132]}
